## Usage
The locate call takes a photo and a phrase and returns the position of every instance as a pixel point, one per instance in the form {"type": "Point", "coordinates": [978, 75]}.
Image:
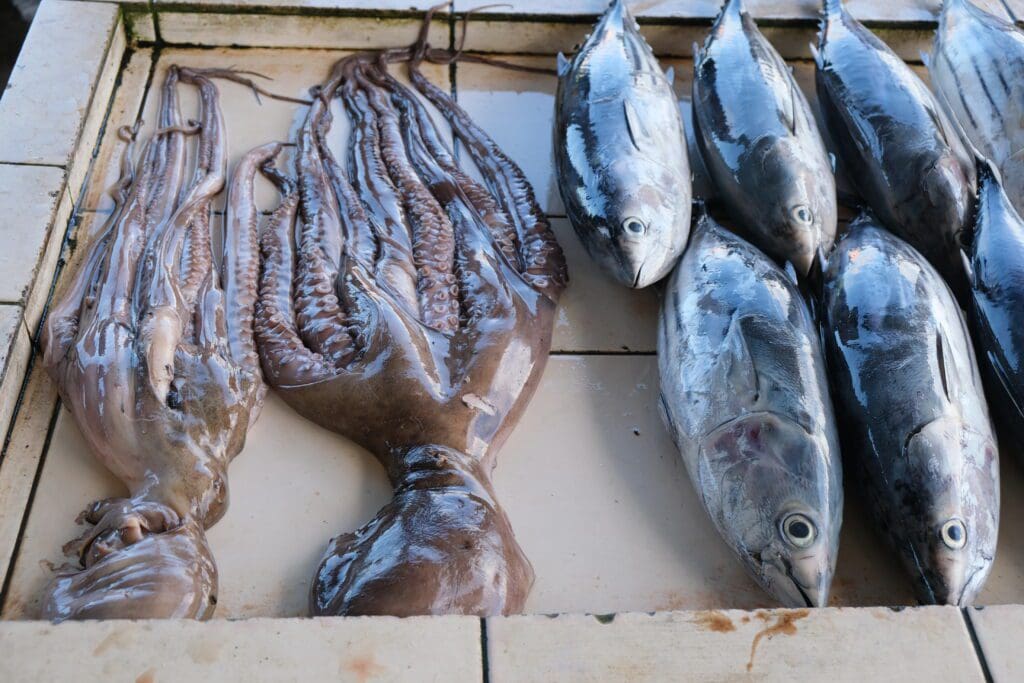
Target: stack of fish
{"type": "Point", "coordinates": [778, 342]}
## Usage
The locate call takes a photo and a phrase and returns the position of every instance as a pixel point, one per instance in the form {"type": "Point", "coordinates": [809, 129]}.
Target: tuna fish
{"type": "Point", "coordinates": [620, 153]}
{"type": "Point", "coordinates": [978, 66]}
{"type": "Point", "coordinates": [745, 397]}
{"type": "Point", "coordinates": [760, 142]}
{"type": "Point", "coordinates": [901, 150]}
{"type": "Point", "coordinates": [913, 417]}
{"type": "Point", "coordinates": [995, 269]}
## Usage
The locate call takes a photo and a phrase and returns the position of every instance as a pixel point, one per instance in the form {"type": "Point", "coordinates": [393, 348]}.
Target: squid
{"type": "Point", "coordinates": [152, 348]}
{"type": "Point", "coordinates": [409, 308]}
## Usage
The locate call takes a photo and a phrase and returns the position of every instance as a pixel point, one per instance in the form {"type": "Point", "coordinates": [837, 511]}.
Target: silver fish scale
{"type": "Point", "coordinates": [745, 396]}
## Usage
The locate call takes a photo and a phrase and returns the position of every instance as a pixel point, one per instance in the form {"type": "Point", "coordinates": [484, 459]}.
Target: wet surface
{"type": "Point", "coordinates": [592, 484]}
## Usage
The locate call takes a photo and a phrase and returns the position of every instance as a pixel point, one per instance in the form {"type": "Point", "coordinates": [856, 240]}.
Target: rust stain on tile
{"type": "Point", "coordinates": [714, 621]}
{"type": "Point", "coordinates": [363, 668]}
{"type": "Point", "coordinates": [785, 623]}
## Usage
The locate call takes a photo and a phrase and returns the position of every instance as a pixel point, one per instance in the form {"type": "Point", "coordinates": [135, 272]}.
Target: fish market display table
{"type": "Point", "coordinates": [595, 490]}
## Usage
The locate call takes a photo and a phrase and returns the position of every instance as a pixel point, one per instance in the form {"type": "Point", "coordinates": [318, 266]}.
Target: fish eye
{"type": "Point", "coordinates": [799, 530]}
{"type": "Point", "coordinates": [954, 534]}
{"type": "Point", "coordinates": [634, 225]}
{"type": "Point", "coordinates": [801, 213]}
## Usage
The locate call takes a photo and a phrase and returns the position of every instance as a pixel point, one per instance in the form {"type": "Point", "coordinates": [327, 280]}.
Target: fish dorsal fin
{"type": "Point", "coordinates": [949, 372]}
{"type": "Point", "coordinates": [638, 132]}
{"type": "Point", "coordinates": [735, 370]}
{"type": "Point", "coordinates": [789, 108]}
{"type": "Point", "coordinates": [563, 64]}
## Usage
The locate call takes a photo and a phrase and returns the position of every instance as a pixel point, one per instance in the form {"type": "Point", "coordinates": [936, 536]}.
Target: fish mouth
{"type": "Point", "coordinates": [799, 587]}
{"type": "Point", "coordinates": [639, 273]}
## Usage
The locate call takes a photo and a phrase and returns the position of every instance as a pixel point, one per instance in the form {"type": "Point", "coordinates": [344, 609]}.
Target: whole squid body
{"type": "Point", "coordinates": [901, 150]}
{"type": "Point", "coordinates": [913, 417]}
{"type": "Point", "coordinates": [151, 346]}
{"type": "Point", "coordinates": [759, 140]}
{"type": "Point", "coordinates": [745, 397]}
{"type": "Point", "coordinates": [412, 314]}
{"type": "Point", "coordinates": [977, 65]}
{"type": "Point", "coordinates": [995, 271]}
{"type": "Point", "coordinates": [620, 153]}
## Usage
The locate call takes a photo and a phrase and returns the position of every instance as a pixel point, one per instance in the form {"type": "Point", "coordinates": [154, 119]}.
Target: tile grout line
{"type": "Point", "coordinates": [29, 504]}
{"type": "Point", "coordinates": [978, 650]}
{"type": "Point", "coordinates": [485, 666]}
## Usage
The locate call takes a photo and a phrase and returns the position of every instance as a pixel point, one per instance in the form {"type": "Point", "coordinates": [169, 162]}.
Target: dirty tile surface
{"type": "Point", "coordinates": [58, 67]}
{"type": "Point", "coordinates": [357, 650]}
{"type": "Point", "coordinates": [631, 534]}
{"type": "Point", "coordinates": [292, 30]}
{"type": "Point", "coordinates": [998, 629]}
{"type": "Point", "coordinates": [29, 199]}
{"type": "Point", "coordinates": [917, 644]}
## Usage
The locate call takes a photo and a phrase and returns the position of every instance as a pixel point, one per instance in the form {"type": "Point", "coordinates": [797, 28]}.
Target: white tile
{"type": "Point", "coordinates": [998, 629]}
{"type": "Point", "coordinates": [125, 109]}
{"type": "Point", "coordinates": [293, 30]}
{"type": "Point", "coordinates": [877, 644]}
{"type": "Point", "coordinates": [56, 74]}
{"type": "Point", "coordinates": [14, 353]}
{"type": "Point", "coordinates": [22, 456]}
{"type": "Point", "coordinates": [357, 649]}
{"type": "Point", "coordinates": [139, 25]}
{"type": "Point", "coordinates": [517, 109]}
{"type": "Point", "coordinates": [603, 507]}
{"type": "Point", "coordinates": [82, 158]}
{"type": "Point", "coordinates": [596, 313]}
{"type": "Point", "coordinates": [35, 211]}
{"type": "Point", "coordinates": [292, 488]}
{"type": "Point", "coordinates": [250, 123]}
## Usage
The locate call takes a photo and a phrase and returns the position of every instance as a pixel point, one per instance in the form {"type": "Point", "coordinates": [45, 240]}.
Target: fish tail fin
{"type": "Point", "coordinates": [833, 8]}
{"type": "Point", "coordinates": [731, 9]}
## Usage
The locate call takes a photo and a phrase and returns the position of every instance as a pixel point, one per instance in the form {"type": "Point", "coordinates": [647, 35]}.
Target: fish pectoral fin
{"type": "Point", "coordinates": [949, 371]}
{"type": "Point", "coordinates": [789, 114]}
{"type": "Point", "coordinates": [968, 268]}
{"type": "Point", "coordinates": [638, 132]}
{"type": "Point", "coordinates": [735, 367]}
{"type": "Point", "coordinates": [562, 64]}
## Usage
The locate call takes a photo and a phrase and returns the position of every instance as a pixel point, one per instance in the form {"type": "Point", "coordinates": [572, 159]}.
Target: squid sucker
{"type": "Point", "coordinates": [151, 346]}
{"type": "Point", "coordinates": [408, 307]}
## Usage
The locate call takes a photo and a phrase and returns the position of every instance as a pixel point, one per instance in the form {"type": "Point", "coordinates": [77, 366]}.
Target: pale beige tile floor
{"type": "Point", "coordinates": [592, 484]}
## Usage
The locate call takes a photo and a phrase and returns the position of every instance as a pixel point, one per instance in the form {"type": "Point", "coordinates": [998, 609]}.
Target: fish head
{"type": "Point", "coordinates": [801, 214]}
{"type": "Point", "coordinates": [950, 520]}
{"type": "Point", "coordinates": [645, 225]}
{"type": "Point", "coordinates": [777, 500]}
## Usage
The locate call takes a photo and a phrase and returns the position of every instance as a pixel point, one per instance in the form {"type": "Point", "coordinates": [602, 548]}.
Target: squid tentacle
{"type": "Point", "coordinates": [385, 214]}
{"type": "Point", "coordinates": [493, 215]}
{"type": "Point", "coordinates": [542, 259]}
{"type": "Point", "coordinates": [285, 359]}
{"type": "Point", "coordinates": [241, 256]}
{"type": "Point", "coordinates": [433, 240]}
